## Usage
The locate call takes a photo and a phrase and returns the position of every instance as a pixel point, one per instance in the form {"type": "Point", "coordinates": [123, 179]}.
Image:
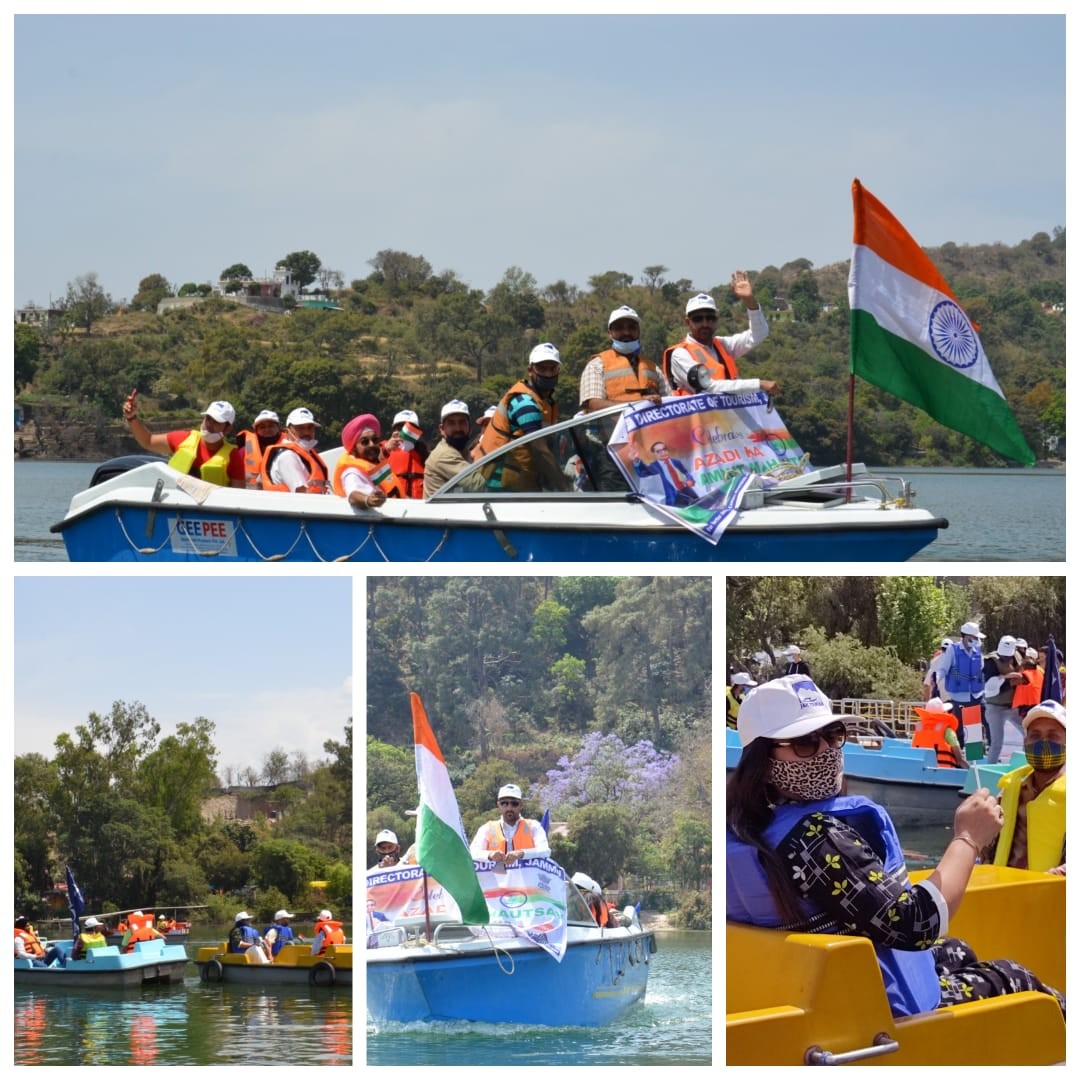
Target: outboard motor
{"type": "Point", "coordinates": [107, 470]}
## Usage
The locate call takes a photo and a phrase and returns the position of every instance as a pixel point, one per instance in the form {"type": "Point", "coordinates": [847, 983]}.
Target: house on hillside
{"type": "Point", "coordinates": [276, 287]}
{"type": "Point", "coordinates": [41, 318]}
{"type": "Point", "coordinates": [242, 804]}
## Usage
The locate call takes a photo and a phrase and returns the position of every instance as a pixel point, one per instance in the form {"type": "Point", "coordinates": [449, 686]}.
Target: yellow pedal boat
{"type": "Point", "coordinates": [293, 964]}
{"type": "Point", "coordinates": [797, 999]}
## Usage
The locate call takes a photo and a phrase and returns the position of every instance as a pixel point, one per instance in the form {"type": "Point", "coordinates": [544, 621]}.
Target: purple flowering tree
{"type": "Point", "coordinates": [606, 770]}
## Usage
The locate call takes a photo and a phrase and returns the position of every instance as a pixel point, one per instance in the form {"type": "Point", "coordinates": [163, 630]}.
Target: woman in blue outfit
{"type": "Point", "coordinates": [804, 857]}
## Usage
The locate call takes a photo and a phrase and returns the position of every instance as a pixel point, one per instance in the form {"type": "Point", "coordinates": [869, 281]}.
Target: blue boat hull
{"type": "Point", "coordinates": [593, 985]}
{"type": "Point", "coordinates": [135, 534]}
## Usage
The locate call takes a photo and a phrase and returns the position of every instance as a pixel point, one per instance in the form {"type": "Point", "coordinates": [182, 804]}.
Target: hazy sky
{"type": "Point", "coordinates": [268, 659]}
{"type": "Point", "coordinates": [566, 145]}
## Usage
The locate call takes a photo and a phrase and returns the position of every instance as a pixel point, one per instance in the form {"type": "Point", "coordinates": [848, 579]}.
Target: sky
{"type": "Point", "coordinates": [268, 660]}
{"type": "Point", "coordinates": [566, 145]}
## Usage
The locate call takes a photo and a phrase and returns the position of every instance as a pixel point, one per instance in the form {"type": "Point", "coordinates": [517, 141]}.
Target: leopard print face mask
{"type": "Point", "coordinates": [809, 779]}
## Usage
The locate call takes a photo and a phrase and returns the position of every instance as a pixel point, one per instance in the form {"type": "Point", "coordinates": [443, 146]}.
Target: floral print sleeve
{"type": "Point", "coordinates": [841, 875]}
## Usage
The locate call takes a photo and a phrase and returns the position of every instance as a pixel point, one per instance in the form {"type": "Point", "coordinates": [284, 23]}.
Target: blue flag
{"type": "Point", "coordinates": [1051, 688]}
{"type": "Point", "coordinates": [545, 821]}
{"type": "Point", "coordinates": [76, 903]}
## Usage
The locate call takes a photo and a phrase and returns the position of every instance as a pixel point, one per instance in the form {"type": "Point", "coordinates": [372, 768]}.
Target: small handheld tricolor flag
{"type": "Point", "coordinates": [409, 434]}
{"type": "Point", "coordinates": [974, 747]}
{"type": "Point", "coordinates": [383, 477]}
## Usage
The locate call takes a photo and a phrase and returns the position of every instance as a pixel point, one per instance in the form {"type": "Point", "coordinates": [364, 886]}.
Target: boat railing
{"type": "Point", "coordinates": [820, 487]}
{"type": "Point", "coordinates": [386, 939]}
{"type": "Point", "coordinates": [869, 714]}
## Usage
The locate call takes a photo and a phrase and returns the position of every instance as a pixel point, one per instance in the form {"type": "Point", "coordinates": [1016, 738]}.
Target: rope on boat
{"type": "Point", "coordinates": [495, 950]}
{"type": "Point", "coordinates": [272, 558]}
{"type": "Point", "coordinates": [135, 547]}
{"type": "Point", "coordinates": [438, 546]}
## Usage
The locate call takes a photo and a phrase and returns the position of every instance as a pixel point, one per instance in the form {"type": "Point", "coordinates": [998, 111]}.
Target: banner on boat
{"type": "Point", "coordinates": [527, 899]}
{"type": "Point", "coordinates": [694, 457]}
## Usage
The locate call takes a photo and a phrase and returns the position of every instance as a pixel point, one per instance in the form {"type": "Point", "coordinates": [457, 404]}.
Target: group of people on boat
{"type": "Point", "coordinates": [265, 947]}
{"type": "Point", "coordinates": [804, 856]}
{"type": "Point", "coordinates": [273, 457]}
{"type": "Point", "coordinates": [91, 935]}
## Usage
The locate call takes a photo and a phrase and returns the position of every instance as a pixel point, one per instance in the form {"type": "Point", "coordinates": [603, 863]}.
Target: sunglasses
{"type": "Point", "coordinates": [703, 316]}
{"type": "Point", "coordinates": [367, 440]}
{"type": "Point", "coordinates": [805, 746]}
{"type": "Point", "coordinates": [509, 802]}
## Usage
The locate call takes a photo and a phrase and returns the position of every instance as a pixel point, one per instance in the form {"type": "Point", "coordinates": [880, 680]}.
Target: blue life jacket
{"type": "Point", "coordinates": [964, 674]}
{"type": "Point", "coordinates": [911, 981]}
{"type": "Point", "coordinates": [284, 936]}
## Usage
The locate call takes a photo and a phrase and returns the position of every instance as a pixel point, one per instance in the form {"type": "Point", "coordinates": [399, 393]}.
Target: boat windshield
{"type": "Point", "coordinates": [577, 911]}
{"type": "Point", "coordinates": [570, 457]}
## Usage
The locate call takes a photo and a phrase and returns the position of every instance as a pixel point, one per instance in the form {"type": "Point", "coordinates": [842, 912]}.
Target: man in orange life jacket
{"type": "Point", "coordinates": [294, 464]}
{"type": "Point", "coordinates": [265, 432]}
{"type": "Point", "coordinates": [363, 455]}
{"type": "Point", "coordinates": [510, 836]}
{"type": "Point", "coordinates": [702, 362]}
{"type": "Point", "coordinates": [204, 452]}
{"type": "Point", "coordinates": [936, 730]}
{"type": "Point", "coordinates": [621, 374]}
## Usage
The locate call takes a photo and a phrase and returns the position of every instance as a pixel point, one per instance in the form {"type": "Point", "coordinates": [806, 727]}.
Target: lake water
{"type": "Point", "coordinates": [193, 1024]}
{"type": "Point", "coordinates": [672, 1026]}
{"type": "Point", "coordinates": [993, 514]}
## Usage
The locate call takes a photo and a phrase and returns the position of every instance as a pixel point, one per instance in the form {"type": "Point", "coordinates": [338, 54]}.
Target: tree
{"type": "Point", "coordinates": [275, 766]}
{"type": "Point", "coordinates": [607, 284]}
{"type": "Point", "coordinates": [27, 355]}
{"type": "Point", "coordinates": [605, 840]}
{"type": "Point", "coordinates": [284, 864]}
{"type": "Point", "coordinates": [236, 272]}
{"type": "Point", "coordinates": [515, 297]}
{"type": "Point", "coordinates": [400, 271]}
{"type": "Point", "coordinates": [303, 265]}
{"type": "Point", "coordinates": [653, 276]}
{"type": "Point", "coordinates": [913, 614]}
{"type": "Point", "coordinates": [804, 298]}
{"type": "Point", "coordinates": [330, 279]}
{"type": "Point", "coordinates": [86, 301]}
{"type": "Point", "coordinates": [152, 290]}
{"type": "Point", "coordinates": [459, 326]}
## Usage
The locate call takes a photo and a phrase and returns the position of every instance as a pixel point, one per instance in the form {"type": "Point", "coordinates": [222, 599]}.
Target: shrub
{"type": "Point", "coordinates": [695, 912]}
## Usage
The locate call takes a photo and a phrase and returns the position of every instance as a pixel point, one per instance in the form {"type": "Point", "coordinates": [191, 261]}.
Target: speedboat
{"type": "Point", "coordinates": [581, 508]}
{"type": "Point", "coordinates": [108, 968]}
{"type": "Point", "coordinates": [818, 999]}
{"type": "Point", "coordinates": [293, 964]}
{"type": "Point", "coordinates": [489, 974]}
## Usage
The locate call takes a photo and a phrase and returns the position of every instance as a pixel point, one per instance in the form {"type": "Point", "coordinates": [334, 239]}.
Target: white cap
{"type": "Point", "coordinates": [702, 302]}
{"type": "Point", "coordinates": [946, 642]}
{"type": "Point", "coordinates": [386, 837]}
{"type": "Point", "coordinates": [489, 412]}
{"type": "Point", "coordinates": [136, 913]}
{"type": "Point", "coordinates": [1021, 644]}
{"type": "Point", "coordinates": [1031, 654]}
{"type": "Point", "coordinates": [266, 414]}
{"type": "Point", "coordinates": [509, 791]}
{"type": "Point", "coordinates": [454, 408]}
{"type": "Point", "coordinates": [623, 312]}
{"type": "Point", "coordinates": [793, 650]}
{"type": "Point", "coordinates": [324, 914]}
{"type": "Point", "coordinates": [740, 678]}
{"type": "Point", "coordinates": [585, 882]}
{"type": "Point", "coordinates": [301, 416]}
{"type": "Point", "coordinates": [971, 629]}
{"type": "Point", "coordinates": [1007, 646]}
{"type": "Point", "coordinates": [283, 914]}
{"type": "Point", "coordinates": [93, 922]}
{"type": "Point", "coordinates": [935, 704]}
{"type": "Point", "coordinates": [241, 916]}
{"type": "Point", "coordinates": [784, 708]}
{"type": "Point", "coordinates": [406, 416]}
{"type": "Point", "coordinates": [544, 351]}
{"type": "Point", "coordinates": [1048, 708]}
{"type": "Point", "coordinates": [221, 411]}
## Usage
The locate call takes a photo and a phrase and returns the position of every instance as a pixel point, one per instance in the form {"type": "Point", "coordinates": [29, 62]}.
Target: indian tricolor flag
{"type": "Point", "coordinates": [441, 847]}
{"type": "Point", "coordinates": [910, 336]}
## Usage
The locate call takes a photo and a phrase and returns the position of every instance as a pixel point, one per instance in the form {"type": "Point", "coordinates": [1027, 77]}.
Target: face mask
{"type": "Point", "coordinates": [1044, 754]}
{"type": "Point", "coordinates": [458, 442]}
{"type": "Point", "coordinates": [626, 348]}
{"type": "Point", "coordinates": [545, 383]}
{"type": "Point", "coordinates": [307, 444]}
{"type": "Point", "coordinates": [211, 436]}
{"type": "Point", "coordinates": [809, 779]}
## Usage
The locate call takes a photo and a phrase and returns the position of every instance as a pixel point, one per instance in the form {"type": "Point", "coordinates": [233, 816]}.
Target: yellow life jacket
{"type": "Point", "coordinates": [92, 941]}
{"type": "Point", "coordinates": [215, 470]}
{"type": "Point", "coordinates": [1045, 821]}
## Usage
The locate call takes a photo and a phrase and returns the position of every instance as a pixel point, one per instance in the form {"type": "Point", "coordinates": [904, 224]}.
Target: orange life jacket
{"type": "Point", "coordinates": [622, 382]}
{"type": "Point", "coordinates": [142, 929]}
{"type": "Point", "coordinates": [332, 934]}
{"type": "Point", "coordinates": [316, 467]}
{"type": "Point", "coordinates": [724, 368]}
{"type": "Point", "coordinates": [499, 431]}
{"type": "Point", "coordinates": [30, 941]}
{"type": "Point", "coordinates": [1028, 694]}
{"type": "Point", "coordinates": [930, 732]}
{"type": "Point", "coordinates": [494, 840]}
{"type": "Point", "coordinates": [408, 467]}
{"type": "Point", "coordinates": [347, 461]}
{"type": "Point", "coordinates": [599, 911]}
{"type": "Point", "coordinates": [254, 452]}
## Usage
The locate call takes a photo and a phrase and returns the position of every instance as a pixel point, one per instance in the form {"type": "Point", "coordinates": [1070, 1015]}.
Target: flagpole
{"type": "Point", "coordinates": [850, 430]}
{"type": "Point", "coordinates": [427, 909]}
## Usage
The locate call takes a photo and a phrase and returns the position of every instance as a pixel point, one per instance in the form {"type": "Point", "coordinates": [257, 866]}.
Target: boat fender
{"type": "Point", "coordinates": [212, 971]}
{"type": "Point", "coordinates": [652, 943]}
{"type": "Point", "coordinates": [315, 975]}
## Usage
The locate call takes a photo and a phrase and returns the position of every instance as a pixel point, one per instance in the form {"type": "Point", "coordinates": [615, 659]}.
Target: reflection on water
{"type": "Point", "coordinates": [192, 1024]}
